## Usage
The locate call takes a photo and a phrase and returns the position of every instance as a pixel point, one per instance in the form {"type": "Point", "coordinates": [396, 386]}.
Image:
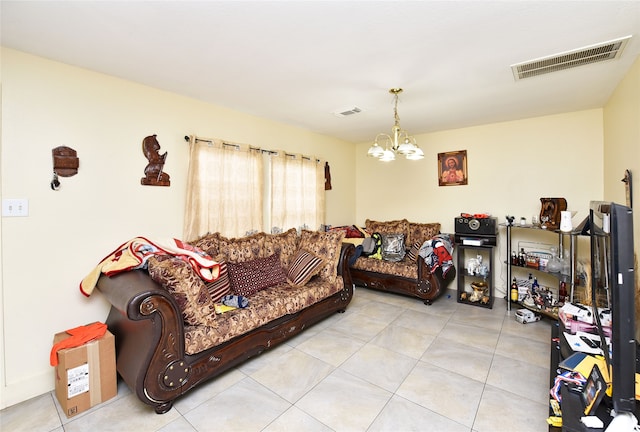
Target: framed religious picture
{"type": "Point", "coordinates": [452, 168]}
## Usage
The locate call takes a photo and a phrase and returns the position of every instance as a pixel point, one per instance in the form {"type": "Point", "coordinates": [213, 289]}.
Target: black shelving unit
{"type": "Point", "coordinates": [464, 252]}
{"type": "Point", "coordinates": [560, 244]}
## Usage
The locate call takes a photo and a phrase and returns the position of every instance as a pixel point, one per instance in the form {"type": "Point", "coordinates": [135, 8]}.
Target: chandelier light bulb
{"type": "Point", "coordinates": [387, 156]}
{"type": "Point", "coordinates": [375, 151]}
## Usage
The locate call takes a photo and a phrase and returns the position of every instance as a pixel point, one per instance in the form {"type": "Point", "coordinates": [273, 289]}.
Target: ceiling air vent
{"type": "Point", "coordinates": [583, 56]}
{"type": "Point", "coordinates": [345, 112]}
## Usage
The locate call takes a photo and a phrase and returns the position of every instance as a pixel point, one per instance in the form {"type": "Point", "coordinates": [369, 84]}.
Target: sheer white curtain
{"type": "Point", "coordinates": [297, 192]}
{"type": "Point", "coordinates": [224, 189]}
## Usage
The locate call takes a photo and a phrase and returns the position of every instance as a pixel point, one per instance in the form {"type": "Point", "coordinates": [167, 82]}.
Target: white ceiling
{"type": "Point", "coordinates": [299, 61]}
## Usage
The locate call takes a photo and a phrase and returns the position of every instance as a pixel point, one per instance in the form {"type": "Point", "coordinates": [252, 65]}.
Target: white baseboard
{"type": "Point", "coordinates": [37, 385]}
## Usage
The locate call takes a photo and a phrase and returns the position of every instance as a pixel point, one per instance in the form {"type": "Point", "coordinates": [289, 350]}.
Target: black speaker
{"type": "Point", "coordinates": [472, 226]}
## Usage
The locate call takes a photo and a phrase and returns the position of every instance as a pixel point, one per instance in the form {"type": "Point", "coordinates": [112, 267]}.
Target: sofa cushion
{"type": "Point", "coordinates": [242, 249]}
{"type": "Point", "coordinates": [286, 244]}
{"type": "Point", "coordinates": [249, 277]}
{"type": "Point", "coordinates": [388, 227]}
{"type": "Point", "coordinates": [303, 267]}
{"type": "Point", "coordinates": [210, 243]}
{"type": "Point", "coordinates": [393, 247]}
{"type": "Point", "coordinates": [221, 286]}
{"type": "Point", "coordinates": [421, 232]}
{"type": "Point", "coordinates": [404, 268]}
{"type": "Point", "coordinates": [326, 245]}
{"type": "Point", "coordinates": [265, 306]}
{"type": "Point", "coordinates": [187, 289]}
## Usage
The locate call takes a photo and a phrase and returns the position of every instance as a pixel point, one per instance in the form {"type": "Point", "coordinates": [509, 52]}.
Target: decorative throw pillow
{"type": "Point", "coordinates": [393, 247]}
{"type": "Point", "coordinates": [413, 251]}
{"type": "Point", "coordinates": [285, 243]}
{"type": "Point", "coordinates": [186, 287]}
{"type": "Point", "coordinates": [247, 278]}
{"type": "Point", "coordinates": [326, 245]}
{"type": "Point", "coordinates": [208, 243]}
{"type": "Point", "coordinates": [303, 267]}
{"type": "Point", "coordinates": [389, 227]}
{"type": "Point", "coordinates": [221, 286]}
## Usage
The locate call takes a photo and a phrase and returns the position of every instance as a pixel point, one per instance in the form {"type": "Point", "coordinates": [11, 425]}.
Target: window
{"type": "Point", "coordinates": [297, 192]}
{"type": "Point", "coordinates": [233, 189]}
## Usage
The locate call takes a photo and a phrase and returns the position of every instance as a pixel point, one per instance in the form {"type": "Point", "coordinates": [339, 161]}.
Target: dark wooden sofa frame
{"type": "Point", "coordinates": [427, 286]}
{"type": "Point", "coordinates": [149, 333]}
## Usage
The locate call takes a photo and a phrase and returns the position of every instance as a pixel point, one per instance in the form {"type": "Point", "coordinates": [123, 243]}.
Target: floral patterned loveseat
{"type": "Point", "coordinates": [169, 337]}
{"type": "Point", "coordinates": [423, 277]}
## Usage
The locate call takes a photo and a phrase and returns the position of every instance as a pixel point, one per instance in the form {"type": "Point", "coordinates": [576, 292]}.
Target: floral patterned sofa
{"type": "Point", "coordinates": [169, 337]}
{"type": "Point", "coordinates": [411, 276]}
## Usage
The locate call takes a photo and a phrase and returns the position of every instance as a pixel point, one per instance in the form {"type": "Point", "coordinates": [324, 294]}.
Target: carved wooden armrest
{"type": "Point", "coordinates": [149, 336]}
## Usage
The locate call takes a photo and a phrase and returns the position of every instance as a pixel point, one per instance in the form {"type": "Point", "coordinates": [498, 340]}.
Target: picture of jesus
{"type": "Point", "coordinates": [452, 168]}
{"type": "Point", "coordinates": [453, 173]}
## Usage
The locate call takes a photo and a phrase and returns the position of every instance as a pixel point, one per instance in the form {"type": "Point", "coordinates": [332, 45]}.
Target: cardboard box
{"type": "Point", "coordinates": [85, 375]}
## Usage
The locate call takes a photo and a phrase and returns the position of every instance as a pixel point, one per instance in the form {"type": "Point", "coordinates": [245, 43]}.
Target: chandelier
{"type": "Point", "coordinates": [385, 147]}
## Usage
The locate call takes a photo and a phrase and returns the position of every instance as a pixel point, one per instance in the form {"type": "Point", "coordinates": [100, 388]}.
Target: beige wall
{"type": "Point", "coordinates": [622, 152]}
{"type": "Point", "coordinates": [44, 256]}
{"type": "Point", "coordinates": [622, 142]}
{"type": "Point", "coordinates": [510, 166]}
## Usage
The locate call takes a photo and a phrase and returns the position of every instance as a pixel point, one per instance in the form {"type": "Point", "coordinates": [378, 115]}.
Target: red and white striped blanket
{"type": "Point", "coordinates": [134, 254]}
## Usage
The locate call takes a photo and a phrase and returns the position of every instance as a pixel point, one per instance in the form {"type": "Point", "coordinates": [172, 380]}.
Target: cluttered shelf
{"type": "Point", "coordinates": [555, 272]}
{"type": "Point", "coordinates": [580, 370]}
{"type": "Point", "coordinates": [551, 314]}
{"type": "Point", "coordinates": [551, 270]}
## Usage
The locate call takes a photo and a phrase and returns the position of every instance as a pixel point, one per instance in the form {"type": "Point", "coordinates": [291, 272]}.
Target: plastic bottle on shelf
{"type": "Point", "coordinates": [535, 286]}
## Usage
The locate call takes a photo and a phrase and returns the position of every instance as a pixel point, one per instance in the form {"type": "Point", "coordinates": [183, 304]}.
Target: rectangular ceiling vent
{"type": "Point", "coordinates": [345, 112]}
{"type": "Point", "coordinates": [592, 54]}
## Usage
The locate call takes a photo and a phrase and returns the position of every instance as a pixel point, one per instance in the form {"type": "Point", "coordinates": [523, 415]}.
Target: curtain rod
{"type": "Point", "coordinates": [237, 146]}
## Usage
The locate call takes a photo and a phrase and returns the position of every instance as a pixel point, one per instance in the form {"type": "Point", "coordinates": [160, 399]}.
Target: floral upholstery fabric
{"type": "Point", "coordinates": [208, 243]}
{"type": "Point", "coordinates": [326, 245]}
{"type": "Point", "coordinates": [389, 227]}
{"type": "Point", "coordinates": [265, 306]}
{"type": "Point", "coordinates": [286, 244]}
{"type": "Point", "coordinates": [405, 268]}
{"type": "Point", "coordinates": [186, 287]}
{"type": "Point", "coordinates": [242, 249]}
{"type": "Point", "coordinates": [421, 232]}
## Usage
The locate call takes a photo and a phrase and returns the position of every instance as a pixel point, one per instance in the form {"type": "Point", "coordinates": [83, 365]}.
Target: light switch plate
{"type": "Point", "coordinates": [15, 207]}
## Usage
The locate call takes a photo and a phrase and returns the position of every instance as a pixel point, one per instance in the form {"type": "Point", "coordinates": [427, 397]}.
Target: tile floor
{"type": "Point", "coordinates": [389, 363]}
